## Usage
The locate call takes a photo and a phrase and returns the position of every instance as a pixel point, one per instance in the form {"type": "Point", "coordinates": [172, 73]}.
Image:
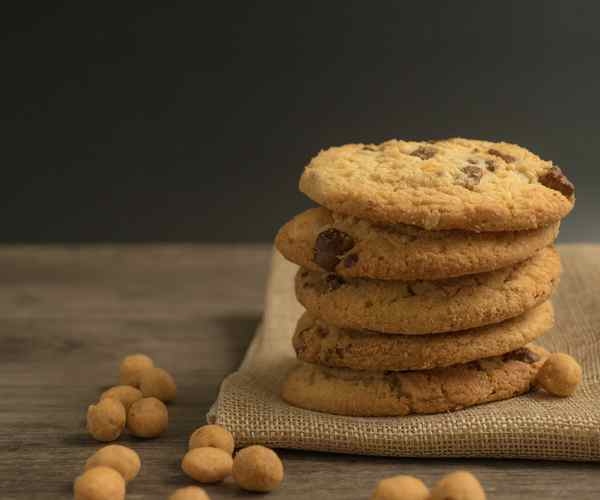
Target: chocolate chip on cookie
{"type": "Point", "coordinates": [506, 157]}
{"type": "Point", "coordinates": [555, 179]}
{"type": "Point", "coordinates": [350, 260]}
{"type": "Point", "coordinates": [340, 353]}
{"type": "Point", "coordinates": [329, 247]}
{"type": "Point", "coordinates": [491, 165]}
{"type": "Point", "coordinates": [299, 342]}
{"type": "Point", "coordinates": [473, 175]}
{"type": "Point", "coordinates": [424, 152]}
{"type": "Point", "coordinates": [333, 282]}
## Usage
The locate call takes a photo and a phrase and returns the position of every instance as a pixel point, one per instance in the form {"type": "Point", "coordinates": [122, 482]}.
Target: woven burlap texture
{"type": "Point", "coordinates": [535, 426]}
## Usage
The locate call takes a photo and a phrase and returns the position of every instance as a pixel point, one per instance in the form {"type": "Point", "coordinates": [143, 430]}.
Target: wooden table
{"type": "Point", "coordinates": [68, 315]}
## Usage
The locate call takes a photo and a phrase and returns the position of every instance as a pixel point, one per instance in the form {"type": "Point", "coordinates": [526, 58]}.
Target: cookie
{"type": "Point", "coordinates": [321, 240]}
{"type": "Point", "coordinates": [448, 184]}
{"type": "Point", "coordinates": [386, 393]}
{"type": "Point", "coordinates": [319, 343]}
{"type": "Point", "coordinates": [421, 307]}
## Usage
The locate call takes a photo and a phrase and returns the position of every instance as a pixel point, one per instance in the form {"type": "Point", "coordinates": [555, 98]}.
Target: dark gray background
{"type": "Point", "coordinates": [134, 122]}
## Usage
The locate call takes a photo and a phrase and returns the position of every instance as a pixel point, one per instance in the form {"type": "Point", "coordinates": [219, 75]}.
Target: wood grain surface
{"type": "Point", "coordinates": [69, 314]}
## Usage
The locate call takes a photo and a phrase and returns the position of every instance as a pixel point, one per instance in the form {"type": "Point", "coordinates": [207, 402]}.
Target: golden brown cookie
{"type": "Point", "coordinates": [321, 240]}
{"type": "Point", "coordinates": [386, 393]}
{"type": "Point", "coordinates": [319, 343]}
{"type": "Point", "coordinates": [421, 307]}
{"type": "Point", "coordinates": [449, 184]}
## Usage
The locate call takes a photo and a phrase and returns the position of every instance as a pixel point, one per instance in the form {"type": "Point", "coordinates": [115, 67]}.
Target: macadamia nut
{"type": "Point", "coordinates": [214, 436]}
{"type": "Point", "coordinates": [99, 483]}
{"type": "Point", "coordinates": [158, 383]}
{"type": "Point", "coordinates": [132, 368]}
{"type": "Point", "coordinates": [207, 465]}
{"type": "Point", "coordinates": [124, 393]}
{"type": "Point", "coordinates": [124, 460]}
{"type": "Point", "coordinates": [106, 419]}
{"type": "Point", "coordinates": [560, 374]}
{"type": "Point", "coordinates": [257, 468]}
{"type": "Point", "coordinates": [189, 493]}
{"type": "Point", "coordinates": [147, 418]}
{"type": "Point", "coordinates": [460, 485]}
{"type": "Point", "coordinates": [401, 488]}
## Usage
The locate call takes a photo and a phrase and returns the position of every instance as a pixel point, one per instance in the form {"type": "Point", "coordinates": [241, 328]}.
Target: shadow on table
{"type": "Point", "coordinates": [237, 333]}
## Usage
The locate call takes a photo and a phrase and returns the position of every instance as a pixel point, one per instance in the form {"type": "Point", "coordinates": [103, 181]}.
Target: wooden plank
{"type": "Point", "coordinates": [68, 314]}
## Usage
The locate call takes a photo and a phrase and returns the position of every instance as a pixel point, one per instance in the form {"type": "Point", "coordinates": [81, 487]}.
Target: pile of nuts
{"type": "Point", "coordinates": [106, 473]}
{"type": "Point", "coordinates": [138, 403]}
{"type": "Point", "coordinates": [209, 460]}
{"type": "Point", "coordinates": [459, 485]}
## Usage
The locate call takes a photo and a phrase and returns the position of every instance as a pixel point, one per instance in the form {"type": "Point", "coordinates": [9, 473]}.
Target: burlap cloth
{"type": "Point", "coordinates": [532, 426]}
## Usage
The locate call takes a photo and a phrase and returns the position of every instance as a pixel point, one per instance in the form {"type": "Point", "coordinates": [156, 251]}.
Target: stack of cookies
{"type": "Point", "coordinates": [426, 274]}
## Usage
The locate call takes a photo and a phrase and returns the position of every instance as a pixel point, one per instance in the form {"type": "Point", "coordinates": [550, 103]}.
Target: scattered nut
{"type": "Point", "coordinates": [257, 468]}
{"type": "Point", "coordinates": [99, 483]}
{"type": "Point", "coordinates": [460, 485]}
{"type": "Point", "coordinates": [106, 419]}
{"type": "Point", "coordinates": [158, 383]}
{"type": "Point", "coordinates": [132, 367]}
{"type": "Point", "coordinates": [124, 460]}
{"type": "Point", "coordinates": [401, 488]}
{"type": "Point", "coordinates": [189, 493]}
{"type": "Point", "coordinates": [124, 393]}
{"type": "Point", "coordinates": [214, 436]}
{"type": "Point", "coordinates": [147, 418]}
{"type": "Point", "coordinates": [207, 465]}
{"type": "Point", "coordinates": [560, 374]}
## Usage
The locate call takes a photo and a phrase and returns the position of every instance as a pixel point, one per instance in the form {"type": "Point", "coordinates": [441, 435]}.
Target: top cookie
{"type": "Point", "coordinates": [448, 184]}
